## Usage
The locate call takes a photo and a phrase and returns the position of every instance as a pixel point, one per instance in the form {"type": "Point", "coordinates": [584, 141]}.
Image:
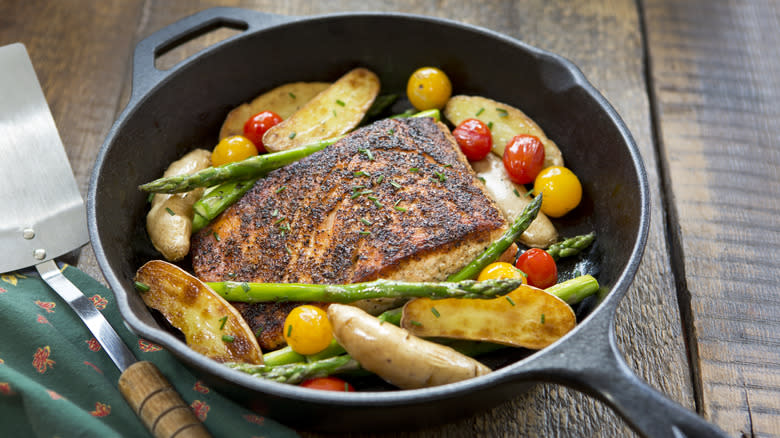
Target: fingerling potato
{"type": "Point", "coordinates": [211, 326]}
{"type": "Point", "coordinates": [395, 355]}
{"type": "Point", "coordinates": [505, 121]}
{"type": "Point", "coordinates": [284, 100]}
{"type": "Point", "coordinates": [526, 317]}
{"type": "Point", "coordinates": [169, 221]}
{"type": "Point", "coordinates": [335, 111]}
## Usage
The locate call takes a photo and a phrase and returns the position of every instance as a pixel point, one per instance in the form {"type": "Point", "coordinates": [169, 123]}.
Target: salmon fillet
{"type": "Point", "coordinates": [396, 199]}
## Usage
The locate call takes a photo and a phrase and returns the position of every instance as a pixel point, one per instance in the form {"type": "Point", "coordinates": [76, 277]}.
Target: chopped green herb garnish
{"type": "Point", "coordinates": [510, 300]}
{"type": "Point", "coordinates": [355, 195]}
{"type": "Point", "coordinates": [395, 184]}
{"type": "Point", "coordinates": [275, 212]}
{"type": "Point", "coordinates": [414, 169]}
{"type": "Point", "coordinates": [259, 332]}
{"type": "Point", "coordinates": [288, 250]}
{"type": "Point", "coordinates": [390, 131]}
{"type": "Point", "coordinates": [380, 179]}
{"type": "Point", "coordinates": [365, 233]}
{"type": "Point", "coordinates": [399, 208]}
{"type": "Point", "coordinates": [216, 236]}
{"type": "Point", "coordinates": [367, 152]}
{"type": "Point", "coordinates": [228, 338]}
{"type": "Point", "coordinates": [358, 187]}
{"type": "Point", "coordinates": [490, 126]}
{"type": "Point", "coordinates": [232, 275]}
{"type": "Point", "coordinates": [284, 227]}
{"type": "Point", "coordinates": [170, 212]}
{"type": "Point", "coordinates": [442, 177]}
{"type": "Point", "coordinates": [340, 102]}
{"type": "Point", "coordinates": [435, 312]}
{"type": "Point", "coordinates": [141, 287]}
{"type": "Point", "coordinates": [289, 330]}
{"type": "Point", "coordinates": [481, 110]}
{"type": "Point", "coordinates": [291, 136]}
{"type": "Point", "coordinates": [481, 178]}
{"type": "Point", "coordinates": [280, 189]}
{"type": "Point", "coordinates": [334, 113]}
{"type": "Point", "coordinates": [516, 192]}
{"type": "Point", "coordinates": [150, 197]}
{"type": "Point", "coordinates": [367, 192]}
{"type": "Point", "coordinates": [222, 321]}
{"type": "Point", "coordinates": [291, 94]}
{"type": "Point", "coordinates": [361, 173]}
{"type": "Point", "coordinates": [448, 165]}
{"type": "Point", "coordinates": [366, 221]}
{"type": "Point", "coordinates": [528, 193]}
{"type": "Point", "coordinates": [542, 318]}
{"type": "Point", "coordinates": [280, 220]}
{"type": "Point", "coordinates": [417, 323]}
{"type": "Point", "coordinates": [502, 112]}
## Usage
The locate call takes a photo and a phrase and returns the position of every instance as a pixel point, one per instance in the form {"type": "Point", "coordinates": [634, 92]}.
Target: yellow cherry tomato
{"type": "Point", "coordinates": [307, 329]}
{"type": "Point", "coordinates": [560, 188]}
{"type": "Point", "coordinates": [500, 271]}
{"type": "Point", "coordinates": [233, 148]}
{"type": "Point", "coordinates": [428, 88]}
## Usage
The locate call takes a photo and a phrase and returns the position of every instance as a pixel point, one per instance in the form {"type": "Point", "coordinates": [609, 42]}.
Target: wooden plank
{"type": "Point", "coordinates": [81, 53]}
{"type": "Point", "coordinates": [714, 70]}
{"type": "Point", "coordinates": [604, 39]}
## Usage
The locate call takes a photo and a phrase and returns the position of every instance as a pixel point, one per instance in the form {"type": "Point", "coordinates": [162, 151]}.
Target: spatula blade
{"type": "Point", "coordinates": [43, 213]}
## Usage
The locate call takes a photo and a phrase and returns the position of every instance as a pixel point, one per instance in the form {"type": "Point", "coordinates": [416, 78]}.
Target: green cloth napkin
{"type": "Point", "coordinates": [56, 380]}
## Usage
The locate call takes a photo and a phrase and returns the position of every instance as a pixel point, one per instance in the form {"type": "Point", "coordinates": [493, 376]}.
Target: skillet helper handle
{"type": "Point", "coordinates": [146, 76]}
{"type": "Point", "coordinates": [157, 403]}
{"type": "Point", "coordinates": [590, 361]}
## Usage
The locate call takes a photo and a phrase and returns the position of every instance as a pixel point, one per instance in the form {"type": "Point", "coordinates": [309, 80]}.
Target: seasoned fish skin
{"type": "Point", "coordinates": [396, 199]}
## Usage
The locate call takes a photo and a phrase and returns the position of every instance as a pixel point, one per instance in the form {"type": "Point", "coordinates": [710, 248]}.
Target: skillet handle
{"type": "Point", "coordinates": [146, 76]}
{"type": "Point", "coordinates": [591, 362]}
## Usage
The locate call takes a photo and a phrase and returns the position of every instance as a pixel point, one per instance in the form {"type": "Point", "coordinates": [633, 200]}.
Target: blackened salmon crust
{"type": "Point", "coordinates": [387, 192]}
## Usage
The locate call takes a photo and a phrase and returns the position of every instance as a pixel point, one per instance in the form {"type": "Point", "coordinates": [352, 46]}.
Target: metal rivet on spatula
{"type": "Point", "coordinates": [39, 254]}
{"type": "Point", "coordinates": [28, 233]}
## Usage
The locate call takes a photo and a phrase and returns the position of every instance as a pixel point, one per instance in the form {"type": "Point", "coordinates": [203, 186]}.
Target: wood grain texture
{"type": "Point", "coordinates": [714, 78]}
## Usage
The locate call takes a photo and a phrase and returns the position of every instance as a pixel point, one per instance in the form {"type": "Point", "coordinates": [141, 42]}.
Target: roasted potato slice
{"type": "Point", "coordinates": [511, 199]}
{"type": "Point", "coordinates": [334, 112]}
{"type": "Point", "coordinates": [526, 317]}
{"type": "Point", "coordinates": [395, 355]}
{"type": "Point", "coordinates": [505, 121]}
{"type": "Point", "coordinates": [210, 324]}
{"type": "Point", "coordinates": [284, 100]}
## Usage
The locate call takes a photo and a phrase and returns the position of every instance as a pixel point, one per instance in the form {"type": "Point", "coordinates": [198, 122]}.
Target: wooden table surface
{"type": "Point", "coordinates": [697, 84]}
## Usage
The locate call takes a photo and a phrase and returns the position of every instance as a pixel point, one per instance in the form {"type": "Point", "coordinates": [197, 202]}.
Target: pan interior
{"type": "Point", "coordinates": [187, 108]}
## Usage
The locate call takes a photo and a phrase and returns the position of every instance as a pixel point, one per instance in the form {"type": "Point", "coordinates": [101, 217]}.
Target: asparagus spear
{"type": "Point", "coordinates": [347, 293]}
{"type": "Point", "coordinates": [494, 251]}
{"type": "Point", "coordinates": [216, 201]}
{"type": "Point", "coordinates": [571, 246]}
{"type": "Point", "coordinates": [251, 167]}
{"type": "Point", "coordinates": [298, 372]}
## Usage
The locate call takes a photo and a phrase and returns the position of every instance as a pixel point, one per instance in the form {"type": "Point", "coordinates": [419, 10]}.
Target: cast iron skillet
{"type": "Point", "coordinates": [171, 112]}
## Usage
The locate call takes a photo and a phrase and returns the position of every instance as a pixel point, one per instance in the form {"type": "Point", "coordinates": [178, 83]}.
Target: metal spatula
{"type": "Point", "coordinates": [44, 217]}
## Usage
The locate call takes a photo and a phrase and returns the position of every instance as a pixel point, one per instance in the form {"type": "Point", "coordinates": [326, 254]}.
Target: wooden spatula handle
{"type": "Point", "coordinates": [158, 404]}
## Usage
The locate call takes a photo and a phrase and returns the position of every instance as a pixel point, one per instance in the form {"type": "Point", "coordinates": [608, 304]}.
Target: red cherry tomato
{"type": "Point", "coordinates": [539, 266]}
{"type": "Point", "coordinates": [328, 384]}
{"type": "Point", "coordinates": [523, 158]}
{"type": "Point", "coordinates": [474, 139]}
{"type": "Point", "coordinates": [255, 127]}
